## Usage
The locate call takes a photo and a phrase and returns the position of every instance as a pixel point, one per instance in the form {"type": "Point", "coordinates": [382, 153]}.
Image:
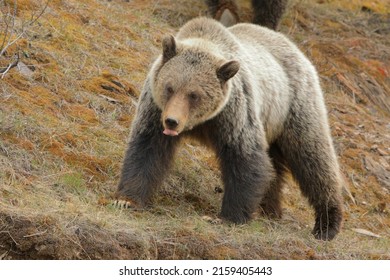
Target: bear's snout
{"type": "Point", "coordinates": [175, 115]}
{"type": "Point", "coordinates": [171, 123]}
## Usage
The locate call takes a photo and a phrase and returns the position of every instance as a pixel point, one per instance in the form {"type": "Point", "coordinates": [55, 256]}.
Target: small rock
{"type": "Point", "coordinates": [25, 70]}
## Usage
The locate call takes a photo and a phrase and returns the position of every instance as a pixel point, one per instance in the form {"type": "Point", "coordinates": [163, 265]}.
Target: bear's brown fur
{"type": "Point", "coordinates": [265, 12]}
{"type": "Point", "coordinates": [253, 97]}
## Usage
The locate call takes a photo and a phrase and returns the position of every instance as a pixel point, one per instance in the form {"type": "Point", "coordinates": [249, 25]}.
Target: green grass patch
{"type": "Point", "coordinates": [74, 182]}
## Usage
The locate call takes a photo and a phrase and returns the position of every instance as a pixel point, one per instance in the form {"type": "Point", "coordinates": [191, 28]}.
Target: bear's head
{"type": "Point", "coordinates": [191, 84]}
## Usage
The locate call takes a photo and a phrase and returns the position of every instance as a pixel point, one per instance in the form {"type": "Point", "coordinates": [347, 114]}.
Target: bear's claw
{"type": "Point", "coordinates": [123, 204]}
{"type": "Point", "coordinates": [211, 220]}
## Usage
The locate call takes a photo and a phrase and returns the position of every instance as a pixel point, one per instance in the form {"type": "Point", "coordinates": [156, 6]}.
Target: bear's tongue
{"type": "Point", "coordinates": [170, 132]}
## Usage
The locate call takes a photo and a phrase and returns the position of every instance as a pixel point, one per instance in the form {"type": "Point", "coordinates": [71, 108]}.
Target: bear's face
{"type": "Point", "coordinates": [191, 86]}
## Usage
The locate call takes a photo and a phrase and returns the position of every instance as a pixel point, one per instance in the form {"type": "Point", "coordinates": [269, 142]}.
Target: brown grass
{"type": "Point", "coordinates": [63, 133]}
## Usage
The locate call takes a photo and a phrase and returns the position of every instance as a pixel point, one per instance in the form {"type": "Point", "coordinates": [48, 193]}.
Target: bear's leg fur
{"type": "Point", "coordinates": [246, 174]}
{"type": "Point", "coordinates": [270, 204]}
{"type": "Point", "coordinates": [265, 12]}
{"type": "Point", "coordinates": [148, 157]}
{"type": "Point", "coordinates": [307, 148]}
{"type": "Point", "coordinates": [268, 12]}
{"type": "Point", "coordinates": [218, 9]}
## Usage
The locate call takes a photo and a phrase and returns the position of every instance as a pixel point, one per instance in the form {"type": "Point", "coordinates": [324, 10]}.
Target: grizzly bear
{"type": "Point", "coordinates": [249, 94]}
{"type": "Point", "coordinates": [265, 12]}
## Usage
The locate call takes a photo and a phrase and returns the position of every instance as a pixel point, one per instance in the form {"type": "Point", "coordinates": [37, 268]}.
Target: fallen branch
{"type": "Point", "coordinates": [13, 64]}
{"type": "Point", "coordinates": [10, 33]}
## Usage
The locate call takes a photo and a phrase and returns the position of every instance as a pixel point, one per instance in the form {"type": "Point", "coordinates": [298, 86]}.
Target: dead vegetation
{"type": "Point", "coordinates": [64, 125]}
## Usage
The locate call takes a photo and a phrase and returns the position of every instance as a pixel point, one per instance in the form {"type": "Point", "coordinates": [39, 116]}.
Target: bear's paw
{"type": "Point", "coordinates": [211, 220]}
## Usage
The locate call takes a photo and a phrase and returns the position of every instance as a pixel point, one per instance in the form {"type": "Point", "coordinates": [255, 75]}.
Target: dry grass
{"type": "Point", "coordinates": [63, 133]}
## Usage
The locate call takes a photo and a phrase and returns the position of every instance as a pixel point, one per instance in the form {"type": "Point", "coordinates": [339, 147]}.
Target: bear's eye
{"type": "Point", "coordinates": [168, 91]}
{"type": "Point", "coordinates": [193, 96]}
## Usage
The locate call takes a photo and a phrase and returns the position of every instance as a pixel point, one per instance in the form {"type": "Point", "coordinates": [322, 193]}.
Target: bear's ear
{"type": "Point", "coordinates": [169, 48]}
{"type": "Point", "coordinates": [228, 70]}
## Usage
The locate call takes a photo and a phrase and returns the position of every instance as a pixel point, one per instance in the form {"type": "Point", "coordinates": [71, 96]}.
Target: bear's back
{"type": "Point", "coordinates": [278, 45]}
{"type": "Point", "coordinates": [287, 73]}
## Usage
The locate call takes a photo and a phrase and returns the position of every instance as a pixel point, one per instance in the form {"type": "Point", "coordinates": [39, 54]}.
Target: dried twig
{"type": "Point", "coordinates": [9, 21]}
{"type": "Point", "coordinates": [35, 234]}
{"type": "Point", "coordinates": [10, 32]}
{"type": "Point", "coordinates": [3, 256]}
{"type": "Point", "coordinates": [10, 236]}
{"type": "Point", "coordinates": [13, 64]}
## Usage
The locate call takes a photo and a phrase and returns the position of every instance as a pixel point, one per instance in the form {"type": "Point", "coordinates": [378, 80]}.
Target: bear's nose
{"type": "Point", "coordinates": [171, 123]}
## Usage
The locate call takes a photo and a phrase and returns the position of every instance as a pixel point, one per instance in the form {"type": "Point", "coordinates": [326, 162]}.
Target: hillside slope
{"type": "Point", "coordinates": [65, 118]}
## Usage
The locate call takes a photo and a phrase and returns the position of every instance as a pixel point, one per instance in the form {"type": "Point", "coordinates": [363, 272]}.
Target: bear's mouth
{"type": "Point", "coordinates": [170, 132]}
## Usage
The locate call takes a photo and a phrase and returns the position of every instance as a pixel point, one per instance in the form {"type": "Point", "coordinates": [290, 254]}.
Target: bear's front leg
{"type": "Point", "coordinates": [148, 156]}
{"type": "Point", "coordinates": [246, 172]}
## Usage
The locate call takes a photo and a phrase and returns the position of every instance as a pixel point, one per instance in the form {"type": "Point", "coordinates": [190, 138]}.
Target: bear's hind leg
{"type": "Point", "coordinates": [225, 11]}
{"type": "Point", "coordinates": [271, 204]}
{"type": "Point", "coordinates": [246, 177]}
{"type": "Point", "coordinates": [268, 13]}
{"type": "Point", "coordinates": [308, 149]}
